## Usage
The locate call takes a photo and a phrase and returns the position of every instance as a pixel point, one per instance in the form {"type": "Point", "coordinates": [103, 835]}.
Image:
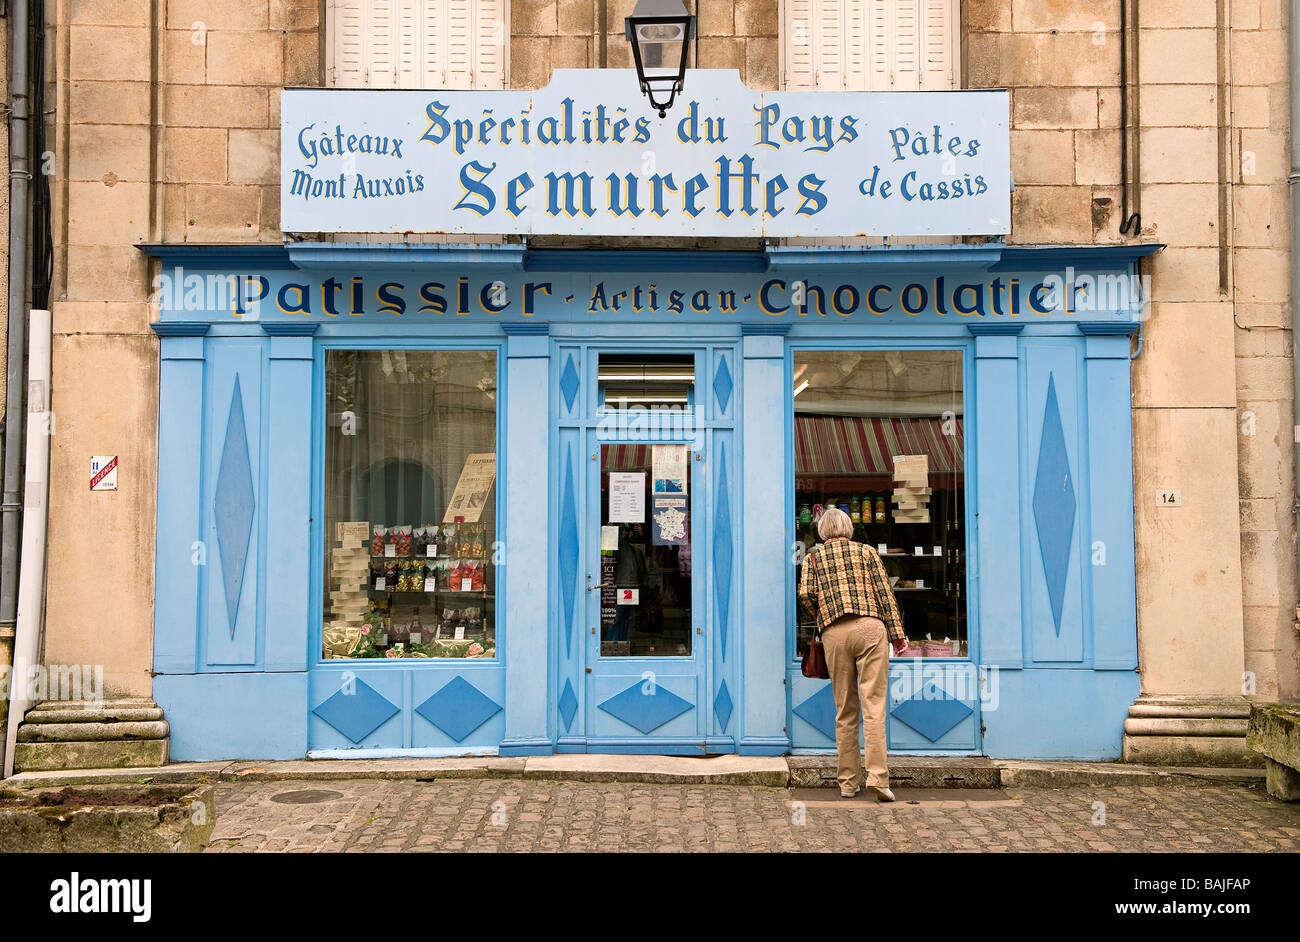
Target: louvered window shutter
{"type": "Point", "coordinates": [797, 36]}
{"type": "Point", "coordinates": [940, 36]}
{"type": "Point", "coordinates": [490, 38]}
{"type": "Point", "coordinates": [829, 44]}
{"type": "Point", "coordinates": [871, 45]}
{"type": "Point", "coordinates": [381, 44]}
{"type": "Point", "coordinates": [416, 43]}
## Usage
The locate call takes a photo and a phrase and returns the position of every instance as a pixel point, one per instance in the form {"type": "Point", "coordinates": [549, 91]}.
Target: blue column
{"type": "Point", "coordinates": [523, 582]}
{"type": "Point", "coordinates": [994, 560]}
{"type": "Point", "coordinates": [288, 502]}
{"type": "Point", "coordinates": [1110, 485]}
{"type": "Point", "coordinates": [178, 550]}
{"type": "Point", "coordinates": [764, 559]}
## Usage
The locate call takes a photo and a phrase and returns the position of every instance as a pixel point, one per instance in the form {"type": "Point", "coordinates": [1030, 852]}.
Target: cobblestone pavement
{"type": "Point", "coordinates": [528, 815]}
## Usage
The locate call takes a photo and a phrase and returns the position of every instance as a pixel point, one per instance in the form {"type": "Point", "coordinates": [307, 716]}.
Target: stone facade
{"type": "Point", "coordinates": [166, 118]}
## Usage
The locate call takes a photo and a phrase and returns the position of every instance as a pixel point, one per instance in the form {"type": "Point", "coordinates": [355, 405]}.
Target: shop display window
{"type": "Point", "coordinates": [410, 504]}
{"type": "Point", "coordinates": [880, 435]}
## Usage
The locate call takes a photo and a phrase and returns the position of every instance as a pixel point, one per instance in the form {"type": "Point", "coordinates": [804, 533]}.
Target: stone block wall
{"type": "Point", "coordinates": [166, 130]}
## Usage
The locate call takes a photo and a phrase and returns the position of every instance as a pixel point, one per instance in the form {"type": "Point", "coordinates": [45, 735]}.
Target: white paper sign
{"type": "Point", "coordinates": [608, 539]}
{"type": "Point", "coordinates": [629, 596]}
{"type": "Point", "coordinates": [627, 497]}
{"type": "Point", "coordinates": [668, 464]}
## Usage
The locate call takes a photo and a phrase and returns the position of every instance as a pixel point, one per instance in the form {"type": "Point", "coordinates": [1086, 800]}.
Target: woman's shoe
{"type": "Point", "coordinates": [882, 794]}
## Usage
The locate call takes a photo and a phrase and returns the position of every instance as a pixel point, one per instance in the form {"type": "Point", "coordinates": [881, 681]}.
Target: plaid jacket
{"type": "Point", "coordinates": [842, 577]}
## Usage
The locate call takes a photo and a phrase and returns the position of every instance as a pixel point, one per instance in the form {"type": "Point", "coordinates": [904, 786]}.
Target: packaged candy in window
{"type": "Point", "coordinates": [402, 536]}
{"type": "Point", "coordinates": [432, 549]}
{"type": "Point", "coordinates": [378, 538]}
{"type": "Point", "coordinates": [478, 540]}
{"type": "Point", "coordinates": [447, 545]}
{"type": "Point", "coordinates": [420, 541]}
{"type": "Point", "coordinates": [391, 573]}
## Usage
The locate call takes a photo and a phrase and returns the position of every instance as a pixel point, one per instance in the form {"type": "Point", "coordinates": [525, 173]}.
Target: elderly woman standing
{"type": "Point", "coordinates": [845, 587]}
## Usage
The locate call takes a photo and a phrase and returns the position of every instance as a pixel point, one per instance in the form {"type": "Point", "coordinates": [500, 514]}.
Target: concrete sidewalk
{"type": "Point", "coordinates": [780, 772]}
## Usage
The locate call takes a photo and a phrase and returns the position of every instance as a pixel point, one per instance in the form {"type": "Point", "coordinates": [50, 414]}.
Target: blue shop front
{"type": "Point", "coordinates": [446, 499]}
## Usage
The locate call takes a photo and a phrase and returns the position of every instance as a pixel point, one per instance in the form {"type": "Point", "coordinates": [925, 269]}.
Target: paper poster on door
{"type": "Point", "coordinates": [629, 596]}
{"type": "Point", "coordinates": [668, 462]}
{"type": "Point", "coordinates": [627, 497]}
{"type": "Point", "coordinates": [670, 517]}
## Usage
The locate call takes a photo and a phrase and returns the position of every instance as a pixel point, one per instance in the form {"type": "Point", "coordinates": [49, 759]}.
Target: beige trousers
{"type": "Point", "coordinates": [857, 655]}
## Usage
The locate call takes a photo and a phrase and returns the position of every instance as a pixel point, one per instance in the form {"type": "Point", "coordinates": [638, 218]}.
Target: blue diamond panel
{"type": "Point", "coordinates": [722, 384]}
{"type": "Point", "coordinates": [1054, 504]}
{"type": "Point", "coordinates": [233, 505]}
{"type": "Point", "coordinates": [722, 549]}
{"type": "Point", "coordinates": [569, 383]}
{"type": "Point", "coordinates": [819, 711]}
{"type": "Point", "coordinates": [722, 706]}
{"type": "Point", "coordinates": [568, 550]}
{"type": "Point", "coordinates": [458, 708]}
{"type": "Point", "coordinates": [356, 710]}
{"type": "Point", "coordinates": [568, 705]}
{"type": "Point", "coordinates": [646, 706]}
{"type": "Point", "coordinates": [931, 712]}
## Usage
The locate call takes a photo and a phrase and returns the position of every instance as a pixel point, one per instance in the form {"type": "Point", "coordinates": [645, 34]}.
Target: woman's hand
{"type": "Point", "coordinates": [900, 645]}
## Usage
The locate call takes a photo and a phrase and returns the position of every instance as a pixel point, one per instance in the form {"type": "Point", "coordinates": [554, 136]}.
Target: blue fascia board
{"type": "Point", "coordinates": [266, 255]}
{"type": "Point", "coordinates": [957, 256]}
{"type": "Point", "coordinates": [312, 255]}
{"type": "Point", "coordinates": [329, 255]}
{"type": "Point", "coordinates": [642, 260]}
{"type": "Point", "coordinates": [1053, 257]}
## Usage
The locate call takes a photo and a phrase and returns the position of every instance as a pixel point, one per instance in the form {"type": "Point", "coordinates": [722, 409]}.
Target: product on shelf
{"type": "Point", "coordinates": [378, 540]}
{"type": "Point", "coordinates": [403, 539]}
{"type": "Point", "coordinates": [911, 489]}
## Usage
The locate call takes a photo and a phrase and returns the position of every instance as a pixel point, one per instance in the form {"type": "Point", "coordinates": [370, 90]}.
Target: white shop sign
{"type": "Point", "coordinates": [587, 155]}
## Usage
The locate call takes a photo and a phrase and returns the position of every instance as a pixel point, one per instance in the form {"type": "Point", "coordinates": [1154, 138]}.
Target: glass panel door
{"type": "Point", "coordinates": [645, 551]}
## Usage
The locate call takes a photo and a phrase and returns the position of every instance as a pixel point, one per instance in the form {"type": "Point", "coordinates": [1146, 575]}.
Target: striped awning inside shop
{"type": "Point", "coordinates": [847, 445]}
{"type": "Point", "coordinates": [834, 444]}
{"type": "Point", "coordinates": [626, 458]}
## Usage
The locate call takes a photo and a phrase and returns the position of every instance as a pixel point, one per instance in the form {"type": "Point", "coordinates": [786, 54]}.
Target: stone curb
{"type": "Point", "coordinates": [776, 772]}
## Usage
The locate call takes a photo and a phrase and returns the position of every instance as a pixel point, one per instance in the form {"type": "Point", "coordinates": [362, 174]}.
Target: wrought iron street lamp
{"type": "Point", "coordinates": [660, 32]}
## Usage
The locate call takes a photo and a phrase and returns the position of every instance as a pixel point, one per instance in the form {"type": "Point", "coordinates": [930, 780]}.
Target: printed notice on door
{"type": "Point", "coordinates": [669, 465]}
{"type": "Point", "coordinates": [627, 497]}
{"type": "Point", "coordinates": [472, 489]}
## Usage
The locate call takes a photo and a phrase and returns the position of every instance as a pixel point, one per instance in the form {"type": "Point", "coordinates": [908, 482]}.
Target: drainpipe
{"type": "Point", "coordinates": [31, 584]}
{"type": "Point", "coordinates": [1293, 181]}
{"type": "Point", "coordinates": [19, 177]}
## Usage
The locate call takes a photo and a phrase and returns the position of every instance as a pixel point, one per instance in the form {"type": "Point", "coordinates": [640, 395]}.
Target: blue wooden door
{"type": "Point", "coordinates": [646, 625]}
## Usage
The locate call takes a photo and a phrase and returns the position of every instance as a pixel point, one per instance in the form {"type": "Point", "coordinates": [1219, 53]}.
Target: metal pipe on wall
{"type": "Point", "coordinates": [1129, 223]}
{"type": "Point", "coordinates": [19, 185]}
{"type": "Point", "coordinates": [1293, 184]}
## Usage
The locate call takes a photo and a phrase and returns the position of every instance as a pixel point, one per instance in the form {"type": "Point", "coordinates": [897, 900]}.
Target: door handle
{"type": "Point", "coordinates": [599, 585]}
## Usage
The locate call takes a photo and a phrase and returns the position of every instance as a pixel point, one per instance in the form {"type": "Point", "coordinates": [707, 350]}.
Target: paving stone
{"type": "Point", "coordinates": [488, 815]}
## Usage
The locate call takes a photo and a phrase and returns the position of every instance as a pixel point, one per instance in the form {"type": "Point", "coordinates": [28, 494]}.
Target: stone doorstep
{"type": "Point", "coordinates": [92, 732]}
{"type": "Point", "coordinates": [774, 772]}
{"type": "Point", "coordinates": [102, 754]}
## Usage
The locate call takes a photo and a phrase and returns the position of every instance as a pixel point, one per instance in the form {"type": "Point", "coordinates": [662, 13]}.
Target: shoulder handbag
{"type": "Point", "coordinates": [814, 659]}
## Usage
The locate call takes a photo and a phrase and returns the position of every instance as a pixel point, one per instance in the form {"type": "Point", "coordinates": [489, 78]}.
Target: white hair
{"type": "Point", "coordinates": [834, 522]}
